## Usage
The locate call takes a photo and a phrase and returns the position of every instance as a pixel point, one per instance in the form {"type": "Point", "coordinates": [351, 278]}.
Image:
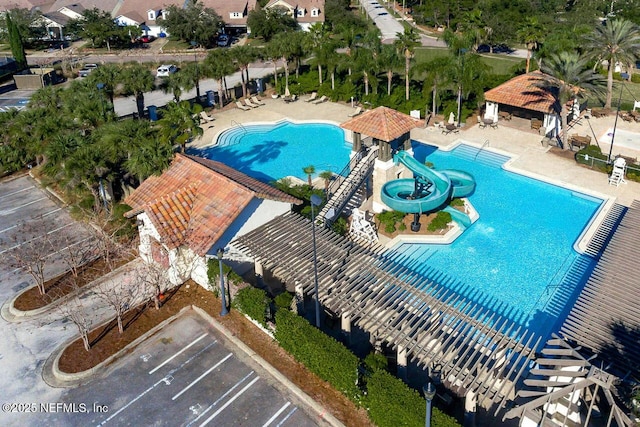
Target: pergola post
{"type": "Point", "coordinates": [259, 272]}
{"type": "Point", "coordinates": [402, 362]}
{"type": "Point", "coordinates": [384, 154]}
{"type": "Point", "coordinates": [346, 326]}
{"type": "Point", "coordinates": [470, 402]}
{"type": "Point", "coordinates": [299, 290]}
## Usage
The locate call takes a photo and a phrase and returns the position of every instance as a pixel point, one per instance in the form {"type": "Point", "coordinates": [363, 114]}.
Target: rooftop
{"type": "Point", "coordinates": [382, 123]}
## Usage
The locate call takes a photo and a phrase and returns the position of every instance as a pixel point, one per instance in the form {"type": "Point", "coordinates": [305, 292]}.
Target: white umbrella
{"type": "Point", "coordinates": [452, 118]}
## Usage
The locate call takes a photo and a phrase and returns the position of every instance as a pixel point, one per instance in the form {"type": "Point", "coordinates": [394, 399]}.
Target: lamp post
{"type": "Point", "coordinates": [223, 311]}
{"type": "Point", "coordinates": [195, 57]}
{"type": "Point", "coordinates": [315, 201]}
{"type": "Point", "coordinates": [429, 391]}
{"type": "Point", "coordinates": [615, 122]}
{"type": "Point", "coordinates": [100, 87]}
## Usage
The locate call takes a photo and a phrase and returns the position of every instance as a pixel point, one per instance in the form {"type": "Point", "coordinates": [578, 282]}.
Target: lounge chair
{"type": "Point", "coordinates": [242, 107]}
{"type": "Point", "coordinates": [257, 101]}
{"type": "Point", "coordinates": [313, 97]}
{"type": "Point", "coordinates": [320, 100]}
{"type": "Point", "coordinates": [248, 103]}
{"type": "Point", "coordinates": [207, 118]}
{"type": "Point", "coordinates": [356, 112]}
{"type": "Point", "coordinates": [291, 98]}
{"type": "Point", "coordinates": [481, 122]}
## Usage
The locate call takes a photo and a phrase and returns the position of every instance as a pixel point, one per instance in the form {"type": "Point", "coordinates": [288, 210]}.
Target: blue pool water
{"type": "Point", "coordinates": [518, 258]}
{"type": "Point", "coordinates": [269, 152]}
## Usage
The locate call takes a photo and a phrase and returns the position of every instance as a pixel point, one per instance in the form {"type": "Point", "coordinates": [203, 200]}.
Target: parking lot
{"type": "Point", "coordinates": [28, 215]}
{"type": "Point", "coordinates": [190, 375]}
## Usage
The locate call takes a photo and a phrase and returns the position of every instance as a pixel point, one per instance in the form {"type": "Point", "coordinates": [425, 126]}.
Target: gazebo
{"type": "Point", "coordinates": [390, 131]}
{"type": "Point", "coordinates": [520, 97]}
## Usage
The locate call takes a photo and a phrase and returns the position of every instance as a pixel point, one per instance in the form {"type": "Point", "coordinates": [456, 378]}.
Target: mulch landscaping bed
{"type": "Point", "coordinates": [424, 221]}
{"type": "Point", "coordinates": [106, 341]}
{"type": "Point", "coordinates": [56, 288]}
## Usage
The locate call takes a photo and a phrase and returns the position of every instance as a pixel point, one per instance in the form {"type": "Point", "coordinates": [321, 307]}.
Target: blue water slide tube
{"type": "Point", "coordinates": [400, 194]}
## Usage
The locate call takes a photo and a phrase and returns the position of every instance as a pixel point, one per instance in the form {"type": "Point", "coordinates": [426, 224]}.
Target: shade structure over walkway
{"type": "Point", "coordinates": [606, 316]}
{"type": "Point", "coordinates": [467, 346]}
{"type": "Point", "coordinates": [384, 125]}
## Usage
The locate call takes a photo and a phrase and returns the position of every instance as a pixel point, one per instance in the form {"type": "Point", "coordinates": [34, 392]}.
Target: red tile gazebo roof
{"type": "Point", "coordinates": [521, 92]}
{"type": "Point", "coordinates": [382, 123]}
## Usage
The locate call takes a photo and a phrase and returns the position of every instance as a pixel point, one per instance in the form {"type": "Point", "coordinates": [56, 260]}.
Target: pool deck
{"type": "Point", "coordinates": [528, 155]}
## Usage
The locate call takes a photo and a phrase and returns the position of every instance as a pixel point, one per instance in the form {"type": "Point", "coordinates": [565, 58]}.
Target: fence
{"type": "Point", "coordinates": [605, 166]}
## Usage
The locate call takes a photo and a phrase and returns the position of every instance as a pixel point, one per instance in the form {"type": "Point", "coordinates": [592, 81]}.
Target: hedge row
{"type": "Point", "coordinates": [253, 302]}
{"type": "Point", "coordinates": [320, 353]}
{"type": "Point", "coordinates": [392, 403]}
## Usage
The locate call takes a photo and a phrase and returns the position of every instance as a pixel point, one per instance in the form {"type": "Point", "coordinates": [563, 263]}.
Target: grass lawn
{"type": "Point", "coordinates": [630, 93]}
{"type": "Point", "coordinates": [499, 64]}
{"type": "Point", "coordinates": [175, 45]}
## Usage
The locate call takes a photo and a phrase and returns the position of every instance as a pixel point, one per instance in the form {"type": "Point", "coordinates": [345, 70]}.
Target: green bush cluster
{"type": "Point", "coordinates": [283, 300]}
{"type": "Point", "coordinates": [253, 302]}
{"type": "Point", "coordinates": [392, 403]}
{"type": "Point", "coordinates": [389, 219]}
{"type": "Point", "coordinates": [320, 353]}
{"type": "Point", "coordinates": [213, 274]}
{"type": "Point", "coordinates": [440, 221]}
{"type": "Point", "coordinates": [456, 202]}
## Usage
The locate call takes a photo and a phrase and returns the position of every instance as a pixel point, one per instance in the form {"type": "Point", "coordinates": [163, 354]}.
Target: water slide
{"type": "Point", "coordinates": [429, 190]}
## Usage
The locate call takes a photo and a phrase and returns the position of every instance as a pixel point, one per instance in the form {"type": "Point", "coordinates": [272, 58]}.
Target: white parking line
{"type": "Point", "coordinates": [24, 243]}
{"type": "Point", "coordinates": [15, 208]}
{"type": "Point", "coordinates": [229, 402]}
{"type": "Point", "coordinates": [177, 354]}
{"type": "Point", "coordinates": [287, 417]}
{"type": "Point", "coordinates": [43, 215]}
{"type": "Point", "coordinates": [16, 192]}
{"type": "Point", "coordinates": [220, 398]}
{"type": "Point", "coordinates": [131, 402]}
{"type": "Point", "coordinates": [208, 371]}
{"type": "Point", "coordinates": [277, 414]}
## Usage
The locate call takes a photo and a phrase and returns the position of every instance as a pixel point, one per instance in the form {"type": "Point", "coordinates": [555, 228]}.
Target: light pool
{"type": "Point", "coordinates": [269, 152]}
{"type": "Point", "coordinates": [518, 258]}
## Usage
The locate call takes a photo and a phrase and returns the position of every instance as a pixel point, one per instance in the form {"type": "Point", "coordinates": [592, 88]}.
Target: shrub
{"type": "Point", "coordinates": [392, 403]}
{"type": "Point", "coordinates": [456, 202]}
{"type": "Point", "coordinates": [440, 221]}
{"type": "Point", "coordinates": [213, 274]}
{"type": "Point", "coordinates": [320, 353]}
{"type": "Point", "coordinates": [283, 300]}
{"type": "Point", "coordinates": [635, 78]}
{"type": "Point", "coordinates": [388, 220]}
{"type": "Point", "coordinates": [340, 226]}
{"type": "Point", "coordinates": [252, 302]}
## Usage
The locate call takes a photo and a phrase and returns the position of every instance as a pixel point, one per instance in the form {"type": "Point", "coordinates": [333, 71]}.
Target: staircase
{"type": "Point", "coordinates": [360, 168]}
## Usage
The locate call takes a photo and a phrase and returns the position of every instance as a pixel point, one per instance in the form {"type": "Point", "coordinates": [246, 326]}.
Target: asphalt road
{"type": "Point", "coordinates": [187, 375]}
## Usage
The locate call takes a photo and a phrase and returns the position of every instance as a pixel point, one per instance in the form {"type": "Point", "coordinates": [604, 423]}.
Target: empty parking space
{"type": "Point", "coordinates": [188, 375]}
{"type": "Point", "coordinates": [27, 216]}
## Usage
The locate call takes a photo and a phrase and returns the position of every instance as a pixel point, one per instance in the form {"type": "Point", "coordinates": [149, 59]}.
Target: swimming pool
{"type": "Point", "coordinates": [518, 258]}
{"type": "Point", "coordinates": [269, 152]}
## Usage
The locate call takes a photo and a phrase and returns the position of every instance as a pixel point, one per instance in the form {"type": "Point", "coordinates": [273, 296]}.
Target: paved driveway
{"type": "Point", "coordinates": [187, 375]}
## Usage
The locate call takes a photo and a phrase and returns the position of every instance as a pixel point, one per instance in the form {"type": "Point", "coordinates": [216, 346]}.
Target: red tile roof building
{"type": "Point", "coordinates": [195, 201]}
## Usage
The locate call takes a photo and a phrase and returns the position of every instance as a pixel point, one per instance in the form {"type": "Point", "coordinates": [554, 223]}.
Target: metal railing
{"type": "Point", "coordinates": [236, 124]}
{"type": "Point", "coordinates": [346, 170]}
{"type": "Point", "coordinates": [485, 144]}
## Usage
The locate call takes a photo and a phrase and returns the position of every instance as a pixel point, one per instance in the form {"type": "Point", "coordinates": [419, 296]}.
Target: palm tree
{"type": "Point", "coordinates": [137, 79]}
{"type": "Point", "coordinates": [107, 75]}
{"type": "Point", "coordinates": [309, 170]}
{"type": "Point", "coordinates": [566, 77]}
{"type": "Point", "coordinates": [151, 157]}
{"type": "Point", "coordinates": [320, 44]}
{"type": "Point", "coordinates": [389, 61]}
{"type": "Point", "coordinates": [437, 76]}
{"type": "Point", "coordinates": [283, 47]}
{"type": "Point", "coordinates": [617, 41]}
{"type": "Point", "coordinates": [327, 176]}
{"type": "Point", "coordinates": [218, 65]}
{"type": "Point", "coordinates": [531, 34]}
{"type": "Point", "coordinates": [406, 43]}
{"type": "Point", "coordinates": [180, 123]}
{"type": "Point", "coordinates": [175, 83]}
{"type": "Point", "coordinates": [473, 25]}
{"type": "Point", "coordinates": [242, 56]}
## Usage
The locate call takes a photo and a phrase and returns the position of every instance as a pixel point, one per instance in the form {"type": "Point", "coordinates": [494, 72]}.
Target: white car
{"type": "Point", "coordinates": [87, 69]}
{"type": "Point", "coordinates": [166, 70]}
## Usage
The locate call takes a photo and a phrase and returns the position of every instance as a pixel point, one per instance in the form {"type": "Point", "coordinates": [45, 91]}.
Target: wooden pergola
{"type": "Point", "coordinates": [388, 128]}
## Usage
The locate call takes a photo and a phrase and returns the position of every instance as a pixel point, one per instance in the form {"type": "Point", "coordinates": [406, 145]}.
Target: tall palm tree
{"type": "Point", "coordinates": [367, 62]}
{"type": "Point", "coordinates": [309, 170]}
{"type": "Point", "coordinates": [175, 83]}
{"type": "Point", "coordinates": [464, 63]}
{"type": "Point", "coordinates": [218, 65]}
{"type": "Point", "coordinates": [531, 34]}
{"type": "Point", "coordinates": [107, 75]}
{"type": "Point", "coordinates": [327, 176]}
{"type": "Point", "coordinates": [437, 76]}
{"type": "Point", "coordinates": [406, 43]}
{"type": "Point", "coordinates": [617, 41]}
{"type": "Point", "coordinates": [242, 56]}
{"type": "Point", "coordinates": [151, 157]}
{"type": "Point", "coordinates": [566, 77]}
{"type": "Point", "coordinates": [389, 61]}
{"type": "Point", "coordinates": [320, 44]}
{"type": "Point", "coordinates": [284, 47]}
{"type": "Point", "coordinates": [137, 79]}
{"type": "Point", "coordinates": [180, 123]}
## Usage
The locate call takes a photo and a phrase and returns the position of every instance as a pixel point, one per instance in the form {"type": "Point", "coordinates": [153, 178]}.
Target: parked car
{"type": "Point", "coordinates": [147, 39]}
{"type": "Point", "coordinates": [166, 70]}
{"type": "Point", "coordinates": [87, 69]}
{"type": "Point", "coordinates": [223, 40]}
